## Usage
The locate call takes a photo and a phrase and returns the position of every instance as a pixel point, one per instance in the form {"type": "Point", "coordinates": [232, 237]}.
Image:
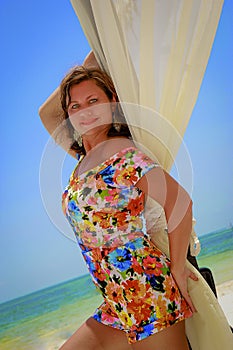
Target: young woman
{"type": "Point", "coordinates": [145, 297]}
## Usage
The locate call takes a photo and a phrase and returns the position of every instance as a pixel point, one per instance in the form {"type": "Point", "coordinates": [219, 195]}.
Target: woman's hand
{"type": "Point", "coordinates": [181, 278]}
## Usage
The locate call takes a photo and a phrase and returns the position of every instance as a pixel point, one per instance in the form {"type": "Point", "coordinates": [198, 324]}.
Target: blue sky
{"type": "Point", "coordinates": [40, 41]}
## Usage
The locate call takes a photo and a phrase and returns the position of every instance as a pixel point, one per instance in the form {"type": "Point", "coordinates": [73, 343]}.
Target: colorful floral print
{"type": "Point", "coordinates": [106, 211]}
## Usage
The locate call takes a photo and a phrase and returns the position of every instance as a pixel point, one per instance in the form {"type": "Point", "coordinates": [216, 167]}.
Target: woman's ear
{"type": "Point", "coordinates": [113, 104]}
{"type": "Point", "coordinates": [114, 99]}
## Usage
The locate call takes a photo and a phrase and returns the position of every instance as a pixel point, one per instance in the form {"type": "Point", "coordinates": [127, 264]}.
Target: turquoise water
{"type": "Point", "coordinates": [45, 319]}
{"type": "Point", "coordinates": [217, 254]}
{"type": "Point", "coordinates": [45, 301]}
{"type": "Point", "coordinates": [216, 242]}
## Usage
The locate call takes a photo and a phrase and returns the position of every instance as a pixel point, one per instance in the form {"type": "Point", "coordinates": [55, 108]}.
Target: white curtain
{"type": "Point", "coordinates": [156, 52]}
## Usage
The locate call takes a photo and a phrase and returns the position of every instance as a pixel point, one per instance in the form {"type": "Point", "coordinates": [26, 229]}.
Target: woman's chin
{"type": "Point", "coordinates": [94, 131]}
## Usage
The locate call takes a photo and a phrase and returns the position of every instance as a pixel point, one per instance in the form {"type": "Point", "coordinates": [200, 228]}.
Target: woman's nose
{"type": "Point", "coordinates": [85, 112]}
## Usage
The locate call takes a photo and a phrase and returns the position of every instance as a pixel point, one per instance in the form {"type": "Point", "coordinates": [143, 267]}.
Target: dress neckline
{"type": "Point", "coordinates": [100, 165]}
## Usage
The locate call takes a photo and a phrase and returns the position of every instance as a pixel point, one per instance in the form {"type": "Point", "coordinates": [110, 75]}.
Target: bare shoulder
{"type": "Point", "coordinates": [115, 145]}
{"type": "Point", "coordinates": [103, 152]}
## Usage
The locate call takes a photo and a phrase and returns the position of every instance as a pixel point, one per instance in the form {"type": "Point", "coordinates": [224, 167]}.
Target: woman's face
{"type": "Point", "coordinates": [89, 110]}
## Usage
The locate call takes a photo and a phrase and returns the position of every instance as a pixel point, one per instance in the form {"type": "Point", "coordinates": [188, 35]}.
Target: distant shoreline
{"type": "Point", "coordinates": [224, 229]}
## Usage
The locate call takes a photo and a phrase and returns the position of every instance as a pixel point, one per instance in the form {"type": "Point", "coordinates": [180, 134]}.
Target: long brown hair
{"type": "Point", "coordinates": [79, 74]}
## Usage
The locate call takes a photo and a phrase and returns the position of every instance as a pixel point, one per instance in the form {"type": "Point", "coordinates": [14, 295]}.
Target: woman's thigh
{"type": "Point", "coordinates": [172, 337]}
{"type": "Point", "coordinates": [93, 335]}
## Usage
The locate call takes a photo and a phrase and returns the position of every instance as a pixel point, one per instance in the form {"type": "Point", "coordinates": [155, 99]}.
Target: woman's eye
{"type": "Point", "coordinates": [74, 106]}
{"type": "Point", "coordinates": [93, 100]}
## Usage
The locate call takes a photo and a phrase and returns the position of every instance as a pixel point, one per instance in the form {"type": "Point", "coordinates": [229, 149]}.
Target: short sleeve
{"type": "Point", "coordinates": [134, 165]}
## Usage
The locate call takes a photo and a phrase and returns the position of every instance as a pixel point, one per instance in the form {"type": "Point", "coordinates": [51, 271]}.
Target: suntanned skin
{"type": "Point", "coordinates": [93, 335]}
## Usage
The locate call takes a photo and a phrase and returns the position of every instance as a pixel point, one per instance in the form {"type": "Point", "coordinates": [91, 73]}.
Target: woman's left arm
{"type": "Point", "coordinates": [177, 205]}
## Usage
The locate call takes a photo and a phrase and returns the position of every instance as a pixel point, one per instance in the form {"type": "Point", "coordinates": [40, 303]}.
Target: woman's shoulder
{"type": "Point", "coordinates": [117, 145]}
{"type": "Point", "coordinates": [129, 153]}
{"type": "Point", "coordinates": [123, 147]}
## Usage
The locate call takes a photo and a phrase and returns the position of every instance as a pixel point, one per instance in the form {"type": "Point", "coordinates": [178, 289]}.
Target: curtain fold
{"type": "Point", "coordinates": [156, 52]}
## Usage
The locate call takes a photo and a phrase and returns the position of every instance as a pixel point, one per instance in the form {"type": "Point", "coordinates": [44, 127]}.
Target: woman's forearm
{"type": "Point", "coordinates": [179, 236]}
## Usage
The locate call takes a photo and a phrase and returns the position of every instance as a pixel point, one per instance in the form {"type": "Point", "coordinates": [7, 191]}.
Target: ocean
{"type": "Point", "coordinates": [44, 319]}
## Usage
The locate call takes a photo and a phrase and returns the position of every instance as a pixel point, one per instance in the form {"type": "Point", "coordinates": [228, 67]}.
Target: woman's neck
{"type": "Point", "coordinates": [97, 136]}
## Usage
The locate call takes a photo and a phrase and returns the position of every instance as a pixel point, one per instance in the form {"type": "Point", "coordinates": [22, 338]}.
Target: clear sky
{"type": "Point", "coordinates": [40, 41]}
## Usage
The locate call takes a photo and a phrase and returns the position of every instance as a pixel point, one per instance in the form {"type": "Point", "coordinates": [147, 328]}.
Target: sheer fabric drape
{"type": "Point", "coordinates": [156, 52]}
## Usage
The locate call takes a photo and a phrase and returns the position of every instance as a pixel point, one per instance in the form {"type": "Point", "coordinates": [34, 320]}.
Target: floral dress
{"type": "Point", "coordinates": [106, 211]}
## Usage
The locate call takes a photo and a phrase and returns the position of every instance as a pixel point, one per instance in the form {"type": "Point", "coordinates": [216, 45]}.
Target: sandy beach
{"type": "Point", "coordinates": [225, 297]}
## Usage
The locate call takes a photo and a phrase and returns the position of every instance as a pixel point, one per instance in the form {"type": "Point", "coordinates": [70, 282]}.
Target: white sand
{"type": "Point", "coordinates": [225, 298]}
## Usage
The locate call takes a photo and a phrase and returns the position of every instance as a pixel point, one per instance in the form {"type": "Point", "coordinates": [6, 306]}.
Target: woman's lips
{"type": "Point", "coordinates": [88, 121]}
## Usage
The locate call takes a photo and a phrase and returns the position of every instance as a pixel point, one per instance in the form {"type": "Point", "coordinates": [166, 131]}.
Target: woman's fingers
{"type": "Point", "coordinates": [181, 280]}
{"type": "Point", "coordinates": [187, 297]}
{"type": "Point", "coordinates": [189, 301]}
{"type": "Point", "coordinates": [193, 276]}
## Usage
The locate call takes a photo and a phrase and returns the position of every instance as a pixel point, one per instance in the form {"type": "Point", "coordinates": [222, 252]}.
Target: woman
{"type": "Point", "coordinates": [145, 294]}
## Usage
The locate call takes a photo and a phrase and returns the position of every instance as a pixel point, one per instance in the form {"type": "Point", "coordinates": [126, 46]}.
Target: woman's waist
{"type": "Point", "coordinates": [110, 243]}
